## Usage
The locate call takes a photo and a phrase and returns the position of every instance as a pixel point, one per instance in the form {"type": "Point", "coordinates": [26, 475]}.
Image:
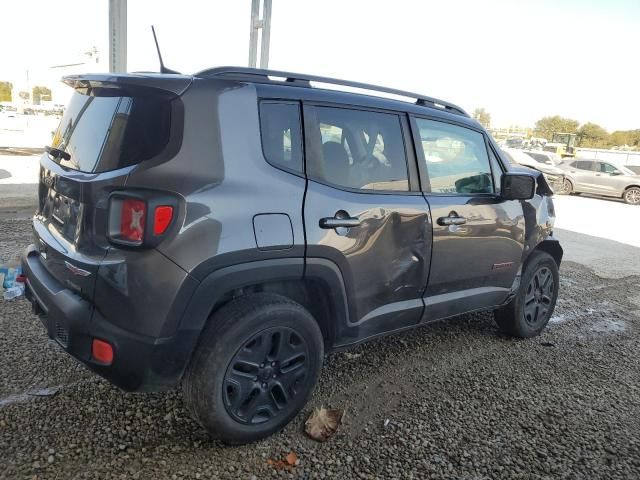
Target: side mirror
{"type": "Point", "coordinates": [615, 173]}
{"type": "Point", "coordinates": [517, 186]}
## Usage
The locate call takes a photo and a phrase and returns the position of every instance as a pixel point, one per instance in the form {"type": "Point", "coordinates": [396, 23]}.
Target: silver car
{"type": "Point", "coordinates": [602, 178]}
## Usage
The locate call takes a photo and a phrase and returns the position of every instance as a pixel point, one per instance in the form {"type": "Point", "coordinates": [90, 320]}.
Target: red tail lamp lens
{"type": "Point", "coordinates": [161, 219]}
{"type": "Point", "coordinates": [132, 220]}
{"type": "Point", "coordinates": [102, 351]}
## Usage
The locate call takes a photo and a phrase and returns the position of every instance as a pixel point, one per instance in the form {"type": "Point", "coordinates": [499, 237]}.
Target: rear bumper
{"type": "Point", "coordinates": [140, 363]}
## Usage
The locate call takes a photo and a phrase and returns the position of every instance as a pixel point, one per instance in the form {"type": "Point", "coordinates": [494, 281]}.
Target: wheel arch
{"type": "Point", "coordinates": [319, 288]}
{"type": "Point", "coordinates": [552, 247]}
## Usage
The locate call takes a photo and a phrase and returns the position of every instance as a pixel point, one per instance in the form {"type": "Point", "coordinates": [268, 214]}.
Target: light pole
{"type": "Point", "coordinates": [117, 36]}
{"type": "Point", "coordinates": [258, 24]}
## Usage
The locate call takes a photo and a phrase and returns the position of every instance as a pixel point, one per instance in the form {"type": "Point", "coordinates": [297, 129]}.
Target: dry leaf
{"type": "Point", "coordinates": [288, 463]}
{"type": "Point", "coordinates": [323, 423]}
{"type": "Point", "coordinates": [292, 458]}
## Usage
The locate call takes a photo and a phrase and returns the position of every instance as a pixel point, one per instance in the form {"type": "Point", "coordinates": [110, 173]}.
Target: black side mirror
{"type": "Point", "coordinates": [615, 173]}
{"type": "Point", "coordinates": [517, 186]}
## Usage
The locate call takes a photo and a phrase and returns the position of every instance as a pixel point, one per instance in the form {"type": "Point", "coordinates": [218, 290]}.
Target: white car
{"type": "Point", "coordinates": [548, 167]}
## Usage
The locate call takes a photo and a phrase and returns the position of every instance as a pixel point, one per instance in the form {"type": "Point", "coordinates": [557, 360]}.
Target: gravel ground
{"type": "Point", "coordinates": [463, 402]}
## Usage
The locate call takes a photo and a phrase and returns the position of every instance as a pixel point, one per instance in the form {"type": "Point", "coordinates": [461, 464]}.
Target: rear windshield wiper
{"type": "Point", "coordinates": [57, 153]}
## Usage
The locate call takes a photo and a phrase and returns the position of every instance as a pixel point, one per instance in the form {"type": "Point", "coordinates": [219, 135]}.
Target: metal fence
{"type": "Point", "coordinates": [624, 158]}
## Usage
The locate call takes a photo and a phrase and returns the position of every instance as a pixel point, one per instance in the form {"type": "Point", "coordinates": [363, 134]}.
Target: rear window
{"type": "Point", "coordinates": [105, 133]}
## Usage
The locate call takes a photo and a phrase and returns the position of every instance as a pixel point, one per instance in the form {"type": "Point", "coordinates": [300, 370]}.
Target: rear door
{"type": "Point", "coordinates": [478, 238]}
{"type": "Point", "coordinates": [364, 212]}
{"type": "Point", "coordinates": [582, 171]}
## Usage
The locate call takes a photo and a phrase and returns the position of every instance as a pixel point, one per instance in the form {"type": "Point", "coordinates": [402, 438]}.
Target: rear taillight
{"type": "Point", "coordinates": [162, 219]}
{"type": "Point", "coordinates": [140, 219]}
{"type": "Point", "coordinates": [132, 217]}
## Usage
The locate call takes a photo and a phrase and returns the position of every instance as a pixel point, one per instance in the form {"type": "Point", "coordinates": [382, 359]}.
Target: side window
{"type": "Point", "coordinates": [584, 165]}
{"type": "Point", "coordinates": [281, 134]}
{"type": "Point", "coordinates": [359, 149]}
{"type": "Point", "coordinates": [607, 168]}
{"type": "Point", "coordinates": [456, 158]}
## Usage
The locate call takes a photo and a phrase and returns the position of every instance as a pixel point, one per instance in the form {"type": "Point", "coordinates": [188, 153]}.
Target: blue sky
{"type": "Point", "coordinates": [518, 59]}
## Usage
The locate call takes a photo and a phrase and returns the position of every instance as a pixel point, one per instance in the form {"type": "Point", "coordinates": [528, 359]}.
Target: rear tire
{"type": "Point", "coordinates": [632, 196]}
{"type": "Point", "coordinates": [254, 369]}
{"type": "Point", "coordinates": [529, 311]}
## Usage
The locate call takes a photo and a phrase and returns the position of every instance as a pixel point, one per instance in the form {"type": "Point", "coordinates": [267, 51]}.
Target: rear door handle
{"type": "Point", "coordinates": [451, 220]}
{"type": "Point", "coordinates": [341, 219]}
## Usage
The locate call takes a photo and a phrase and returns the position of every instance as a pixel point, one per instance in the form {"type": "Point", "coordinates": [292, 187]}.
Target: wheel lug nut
{"type": "Point", "coordinates": [274, 375]}
{"type": "Point", "coordinates": [262, 365]}
{"type": "Point", "coordinates": [264, 385]}
{"type": "Point", "coordinates": [255, 379]}
{"type": "Point", "coordinates": [273, 364]}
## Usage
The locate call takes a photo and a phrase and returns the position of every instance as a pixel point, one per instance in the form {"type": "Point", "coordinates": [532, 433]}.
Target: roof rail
{"type": "Point", "coordinates": [303, 80]}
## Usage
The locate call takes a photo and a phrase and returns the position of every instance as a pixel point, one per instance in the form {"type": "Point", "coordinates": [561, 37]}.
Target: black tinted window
{"type": "Point", "coordinates": [281, 134]}
{"type": "Point", "coordinates": [456, 158]}
{"type": "Point", "coordinates": [359, 149]}
{"type": "Point", "coordinates": [105, 133]}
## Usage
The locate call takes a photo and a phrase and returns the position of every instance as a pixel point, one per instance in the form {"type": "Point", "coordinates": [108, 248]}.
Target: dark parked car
{"type": "Point", "coordinates": [223, 231]}
{"type": "Point", "coordinates": [602, 178]}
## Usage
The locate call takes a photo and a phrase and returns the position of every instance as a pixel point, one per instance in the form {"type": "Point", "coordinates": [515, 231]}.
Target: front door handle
{"type": "Point", "coordinates": [452, 219]}
{"type": "Point", "coordinates": [340, 220]}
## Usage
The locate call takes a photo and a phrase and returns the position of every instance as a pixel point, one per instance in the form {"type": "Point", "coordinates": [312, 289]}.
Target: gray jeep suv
{"type": "Point", "coordinates": [223, 231]}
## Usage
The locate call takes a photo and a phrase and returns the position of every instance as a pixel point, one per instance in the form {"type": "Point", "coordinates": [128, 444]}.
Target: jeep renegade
{"type": "Point", "coordinates": [223, 231]}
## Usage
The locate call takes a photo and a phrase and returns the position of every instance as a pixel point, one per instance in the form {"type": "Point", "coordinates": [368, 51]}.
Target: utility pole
{"type": "Point", "coordinates": [258, 24]}
{"type": "Point", "coordinates": [117, 36]}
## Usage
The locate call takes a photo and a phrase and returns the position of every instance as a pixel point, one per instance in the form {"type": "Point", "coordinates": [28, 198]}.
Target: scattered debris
{"type": "Point", "coordinates": [323, 423]}
{"type": "Point", "coordinates": [547, 344]}
{"type": "Point", "coordinates": [289, 463]}
{"type": "Point", "coordinates": [386, 423]}
{"type": "Point", "coordinates": [292, 458]}
{"type": "Point", "coordinates": [12, 280]}
{"type": "Point", "coordinates": [352, 356]}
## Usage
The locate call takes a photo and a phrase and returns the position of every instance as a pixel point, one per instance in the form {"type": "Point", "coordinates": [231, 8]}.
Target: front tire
{"type": "Point", "coordinates": [632, 196]}
{"type": "Point", "coordinates": [529, 311]}
{"type": "Point", "coordinates": [256, 365]}
{"type": "Point", "coordinates": [567, 187]}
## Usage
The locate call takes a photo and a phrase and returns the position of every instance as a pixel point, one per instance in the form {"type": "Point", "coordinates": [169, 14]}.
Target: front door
{"type": "Point", "coordinates": [363, 213]}
{"type": "Point", "coordinates": [478, 238]}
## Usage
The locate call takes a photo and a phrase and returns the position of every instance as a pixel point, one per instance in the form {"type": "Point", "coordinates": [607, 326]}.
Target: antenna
{"type": "Point", "coordinates": [163, 69]}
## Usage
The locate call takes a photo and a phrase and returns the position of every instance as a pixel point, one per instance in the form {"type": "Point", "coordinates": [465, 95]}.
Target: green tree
{"type": "Point", "coordinates": [41, 94]}
{"type": "Point", "coordinates": [483, 117]}
{"type": "Point", "coordinates": [593, 135]}
{"type": "Point", "coordinates": [620, 138]}
{"type": "Point", "coordinates": [5, 91]}
{"type": "Point", "coordinates": [547, 126]}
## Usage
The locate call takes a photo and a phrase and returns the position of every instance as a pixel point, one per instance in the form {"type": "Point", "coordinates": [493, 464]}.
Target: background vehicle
{"type": "Point", "coordinates": [547, 158]}
{"type": "Point", "coordinates": [634, 168]}
{"type": "Point", "coordinates": [553, 174]}
{"type": "Point", "coordinates": [563, 144]}
{"type": "Point", "coordinates": [602, 178]}
{"type": "Point", "coordinates": [185, 236]}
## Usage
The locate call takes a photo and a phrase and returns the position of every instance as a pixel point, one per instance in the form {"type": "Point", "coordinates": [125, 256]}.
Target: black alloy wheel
{"type": "Point", "coordinates": [539, 297]}
{"type": "Point", "coordinates": [265, 375]}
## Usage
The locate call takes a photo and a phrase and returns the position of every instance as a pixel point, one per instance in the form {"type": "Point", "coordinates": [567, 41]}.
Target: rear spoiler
{"type": "Point", "coordinates": [106, 84]}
